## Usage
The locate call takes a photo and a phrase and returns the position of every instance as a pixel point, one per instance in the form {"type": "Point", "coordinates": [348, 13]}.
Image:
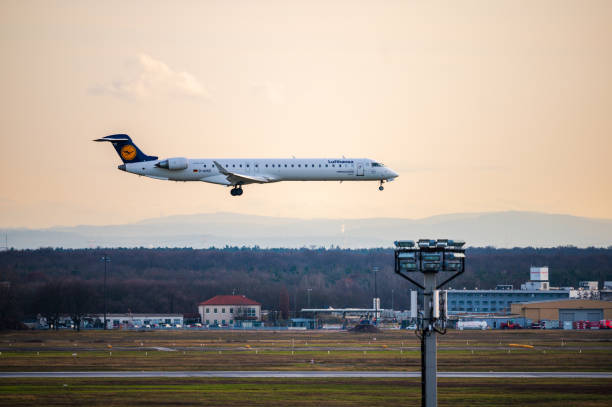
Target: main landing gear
{"type": "Point", "coordinates": [237, 190]}
{"type": "Point", "coordinates": [380, 188]}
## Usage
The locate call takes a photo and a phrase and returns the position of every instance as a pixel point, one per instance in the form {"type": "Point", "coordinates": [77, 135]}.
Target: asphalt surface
{"type": "Point", "coordinates": [304, 374]}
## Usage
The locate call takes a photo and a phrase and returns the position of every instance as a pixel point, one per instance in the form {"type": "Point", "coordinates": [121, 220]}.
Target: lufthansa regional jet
{"type": "Point", "coordinates": [236, 172]}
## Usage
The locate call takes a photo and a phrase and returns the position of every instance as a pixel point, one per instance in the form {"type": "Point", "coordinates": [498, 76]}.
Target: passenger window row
{"type": "Point", "coordinates": [278, 165]}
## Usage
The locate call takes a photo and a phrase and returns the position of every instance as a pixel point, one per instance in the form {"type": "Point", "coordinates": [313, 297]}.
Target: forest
{"type": "Point", "coordinates": [54, 281]}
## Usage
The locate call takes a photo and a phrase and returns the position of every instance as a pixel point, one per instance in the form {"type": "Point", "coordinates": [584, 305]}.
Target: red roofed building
{"type": "Point", "coordinates": [229, 310]}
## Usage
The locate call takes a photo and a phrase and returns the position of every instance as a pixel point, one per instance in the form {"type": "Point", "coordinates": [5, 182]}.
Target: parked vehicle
{"type": "Point", "coordinates": [605, 324]}
{"type": "Point", "coordinates": [592, 325]}
{"type": "Point", "coordinates": [536, 325]}
{"type": "Point", "coordinates": [510, 325]}
{"type": "Point", "coordinates": [461, 325]}
{"type": "Point", "coordinates": [550, 324]}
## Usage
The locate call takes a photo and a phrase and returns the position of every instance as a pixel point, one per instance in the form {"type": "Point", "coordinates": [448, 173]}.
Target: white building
{"type": "Point", "coordinates": [538, 277]}
{"type": "Point", "coordinates": [229, 310]}
{"type": "Point", "coordinates": [143, 320]}
{"type": "Point", "coordinates": [589, 285]}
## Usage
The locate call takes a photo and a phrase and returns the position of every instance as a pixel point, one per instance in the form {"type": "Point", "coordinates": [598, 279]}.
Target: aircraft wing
{"type": "Point", "coordinates": [242, 179]}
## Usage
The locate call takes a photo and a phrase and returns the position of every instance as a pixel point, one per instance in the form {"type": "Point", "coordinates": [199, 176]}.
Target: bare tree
{"type": "Point", "coordinates": [50, 301]}
{"type": "Point", "coordinates": [9, 312]}
{"type": "Point", "coordinates": [283, 302]}
{"type": "Point", "coordinates": [78, 296]}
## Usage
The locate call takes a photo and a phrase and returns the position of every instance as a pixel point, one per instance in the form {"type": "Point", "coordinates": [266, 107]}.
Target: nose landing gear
{"type": "Point", "coordinates": [236, 191]}
{"type": "Point", "coordinates": [380, 188]}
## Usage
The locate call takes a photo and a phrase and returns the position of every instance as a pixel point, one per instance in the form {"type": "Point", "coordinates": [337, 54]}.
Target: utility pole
{"type": "Point", "coordinates": [430, 257]}
{"type": "Point", "coordinates": [392, 298]}
{"type": "Point", "coordinates": [375, 269]}
{"type": "Point", "coordinates": [105, 259]}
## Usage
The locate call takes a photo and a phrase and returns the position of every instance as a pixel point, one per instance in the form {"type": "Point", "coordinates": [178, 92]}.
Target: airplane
{"type": "Point", "coordinates": [236, 172]}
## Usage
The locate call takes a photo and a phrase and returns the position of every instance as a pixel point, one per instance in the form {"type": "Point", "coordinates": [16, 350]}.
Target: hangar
{"type": "Point", "coordinates": [564, 310]}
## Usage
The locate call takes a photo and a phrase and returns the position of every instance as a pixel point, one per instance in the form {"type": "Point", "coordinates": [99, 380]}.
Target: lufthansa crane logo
{"type": "Point", "coordinates": [128, 152]}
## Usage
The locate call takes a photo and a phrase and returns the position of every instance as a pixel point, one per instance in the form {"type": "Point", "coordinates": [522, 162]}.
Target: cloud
{"type": "Point", "coordinates": [272, 92]}
{"type": "Point", "coordinates": [152, 78]}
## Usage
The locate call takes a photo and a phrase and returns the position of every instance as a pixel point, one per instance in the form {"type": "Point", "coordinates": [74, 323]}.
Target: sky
{"type": "Point", "coordinates": [478, 105]}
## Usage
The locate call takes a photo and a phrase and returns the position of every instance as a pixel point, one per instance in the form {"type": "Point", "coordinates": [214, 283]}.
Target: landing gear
{"type": "Point", "coordinates": [236, 191]}
{"type": "Point", "coordinates": [380, 188]}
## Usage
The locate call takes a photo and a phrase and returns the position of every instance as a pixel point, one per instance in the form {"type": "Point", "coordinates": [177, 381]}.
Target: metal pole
{"type": "Point", "coordinates": [309, 290]}
{"type": "Point", "coordinates": [392, 297]}
{"type": "Point", "coordinates": [375, 269]}
{"type": "Point", "coordinates": [375, 283]}
{"type": "Point", "coordinates": [105, 261]}
{"type": "Point", "coordinates": [428, 344]}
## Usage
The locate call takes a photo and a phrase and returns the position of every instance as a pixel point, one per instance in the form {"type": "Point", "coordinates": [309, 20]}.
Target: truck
{"type": "Point", "coordinates": [510, 325]}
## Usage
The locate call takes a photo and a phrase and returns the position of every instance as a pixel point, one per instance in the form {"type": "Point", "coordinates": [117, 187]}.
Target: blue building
{"type": "Point", "coordinates": [498, 301]}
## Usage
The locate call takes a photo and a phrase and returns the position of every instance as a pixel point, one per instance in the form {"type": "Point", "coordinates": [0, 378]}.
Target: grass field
{"type": "Point", "coordinates": [311, 350]}
{"type": "Point", "coordinates": [252, 350]}
{"type": "Point", "coordinates": [300, 392]}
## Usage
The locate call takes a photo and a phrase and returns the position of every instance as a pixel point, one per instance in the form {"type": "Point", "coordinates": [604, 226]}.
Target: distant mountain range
{"type": "Point", "coordinates": [499, 229]}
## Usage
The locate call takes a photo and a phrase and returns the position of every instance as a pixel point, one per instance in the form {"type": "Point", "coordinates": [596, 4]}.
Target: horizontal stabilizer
{"type": "Point", "coordinates": [113, 139]}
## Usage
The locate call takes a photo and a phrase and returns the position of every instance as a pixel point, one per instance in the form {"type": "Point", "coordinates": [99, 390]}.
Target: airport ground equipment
{"type": "Point", "coordinates": [510, 325]}
{"type": "Point", "coordinates": [461, 325]}
{"type": "Point", "coordinates": [430, 257]}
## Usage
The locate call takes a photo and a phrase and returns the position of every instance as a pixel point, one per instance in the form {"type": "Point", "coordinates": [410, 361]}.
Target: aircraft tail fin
{"type": "Point", "coordinates": [127, 150]}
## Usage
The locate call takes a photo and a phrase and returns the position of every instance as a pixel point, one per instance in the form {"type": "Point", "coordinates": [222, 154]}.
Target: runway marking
{"type": "Point", "coordinates": [304, 374]}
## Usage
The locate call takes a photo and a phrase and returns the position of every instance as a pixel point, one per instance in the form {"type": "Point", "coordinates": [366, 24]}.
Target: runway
{"type": "Point", "coordinates": [304, 374]}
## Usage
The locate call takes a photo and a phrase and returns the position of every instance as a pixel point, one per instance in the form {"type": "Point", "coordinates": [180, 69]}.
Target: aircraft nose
{"type": "Point", "coordinates": [393, 173]}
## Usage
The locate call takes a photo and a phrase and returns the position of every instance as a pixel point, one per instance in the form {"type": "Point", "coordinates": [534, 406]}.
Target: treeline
{"type": "Point", "coordinates": [176, 280]}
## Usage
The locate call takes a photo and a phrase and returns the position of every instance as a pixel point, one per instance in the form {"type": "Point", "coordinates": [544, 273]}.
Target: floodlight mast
{"type": "Point", "coordinates": [429, 257]}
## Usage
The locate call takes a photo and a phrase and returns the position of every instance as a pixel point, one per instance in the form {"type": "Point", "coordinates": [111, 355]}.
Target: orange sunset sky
{"type": "Point", "coordinates": [478, 105]}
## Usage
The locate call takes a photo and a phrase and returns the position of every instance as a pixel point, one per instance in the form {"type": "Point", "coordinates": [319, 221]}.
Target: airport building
{"type": "Point", "coordinates": [230, 310]}
{"type": "Point", "coordinates": [500, 300]}
{"type": "Point", "coordinates": [564, 310]}
{"type": "Point", "coordinates": [606, 293]}
{"type": "Point", "coordinates": [143, 320]}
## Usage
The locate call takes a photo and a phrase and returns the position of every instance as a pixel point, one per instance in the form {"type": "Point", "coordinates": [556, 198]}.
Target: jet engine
{"type": "Point", "coordinates": [173, 164]}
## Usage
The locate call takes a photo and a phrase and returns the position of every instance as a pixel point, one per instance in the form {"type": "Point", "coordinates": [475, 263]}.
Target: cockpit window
{"type": "Point", "coordinates": [378, 165]}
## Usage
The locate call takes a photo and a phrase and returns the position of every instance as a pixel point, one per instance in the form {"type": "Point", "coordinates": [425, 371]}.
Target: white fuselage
{"type": "Point", "coordinates": [272, 170]}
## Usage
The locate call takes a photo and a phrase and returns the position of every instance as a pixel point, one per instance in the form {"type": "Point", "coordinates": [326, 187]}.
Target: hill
{"type": "Point", "coordinates": [498, 229]}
